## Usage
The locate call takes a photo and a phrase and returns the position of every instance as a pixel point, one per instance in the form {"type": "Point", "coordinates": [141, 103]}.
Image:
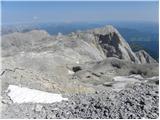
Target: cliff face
{"type": "Point", "coordinates": [113, 44]}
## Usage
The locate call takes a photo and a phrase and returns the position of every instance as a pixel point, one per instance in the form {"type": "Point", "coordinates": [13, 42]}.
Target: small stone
{"type": "Point", "coordinates": [108, 84]}
{"type": "Point", "coordinates": [6, 101]}
{"type": "Point", "coordinates": [38, 108]}
{"type": "Point", "coordinates": [55, 109]}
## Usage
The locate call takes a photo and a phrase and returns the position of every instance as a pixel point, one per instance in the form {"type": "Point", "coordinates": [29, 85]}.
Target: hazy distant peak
{"type": "Point", "coordinates": [38, 32]}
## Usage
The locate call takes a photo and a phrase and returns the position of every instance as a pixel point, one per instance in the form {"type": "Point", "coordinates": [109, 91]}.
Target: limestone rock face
{"type": "Point", "coordinates": [113, 44]}
{"type": "Point", "coordinates": [144, 57]}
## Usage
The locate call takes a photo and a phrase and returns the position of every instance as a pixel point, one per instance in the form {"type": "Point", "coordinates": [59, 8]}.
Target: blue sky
{"type": "Point", "coordinates": [28, 12]}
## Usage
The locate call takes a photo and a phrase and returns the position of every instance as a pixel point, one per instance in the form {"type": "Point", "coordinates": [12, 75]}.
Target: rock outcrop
{"type": "Point", "coordinates": [113, 44]}
{"type": "Point", "coordinates": [144, 57]}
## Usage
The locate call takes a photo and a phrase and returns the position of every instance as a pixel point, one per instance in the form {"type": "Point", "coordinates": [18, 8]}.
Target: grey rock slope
{"type": "Point", "coordinates": [101, 54]}
{"type": "Point", "coordinates": [113, 44]}
{"type": "Point", "coordinates": [144, 57]}
{"type": "Point", "coordinates": [17, 42]}
{"type": "Point", "coordinates": [37, 54]}
{"type": "Point", "coordinates": [83, 62]}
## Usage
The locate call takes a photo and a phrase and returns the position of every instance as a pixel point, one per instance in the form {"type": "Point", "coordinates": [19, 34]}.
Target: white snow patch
{"type": "Point", "coordinates": [154, 77]}
{"type": "Point", "coordinates": [22, 53]}
{"type": "Point", "coordinates": [139, 77]}
{"type": "Point", "coordinates": [70, 72]}
{"type": "Point", "coordinates": [25, 95]}
{"type": "Point", "coordinates": [125, 78]}
{"type": "Point", "coordinates": [77, 62]}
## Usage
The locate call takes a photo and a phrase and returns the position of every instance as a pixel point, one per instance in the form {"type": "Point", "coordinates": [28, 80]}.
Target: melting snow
{"type": "Point", "coordinates": [22, 53]}
{"type": "Point", "coordinates": [25, 95]}
{"type": "Point", "coordinates": [125, 78]}
{"type": "Point", "coordinates": [70, 72]}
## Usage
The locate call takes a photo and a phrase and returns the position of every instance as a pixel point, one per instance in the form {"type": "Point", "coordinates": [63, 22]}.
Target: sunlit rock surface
{"type": "Point", "coordinates": [84, 65]}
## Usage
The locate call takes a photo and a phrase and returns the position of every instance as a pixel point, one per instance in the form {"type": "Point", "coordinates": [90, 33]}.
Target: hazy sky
{"type": "Point", "coordinates": [26, 12]}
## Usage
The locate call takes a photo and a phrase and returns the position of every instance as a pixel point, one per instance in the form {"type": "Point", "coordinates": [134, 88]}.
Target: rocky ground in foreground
{"type": "Point", "coordinates": [137, 101]}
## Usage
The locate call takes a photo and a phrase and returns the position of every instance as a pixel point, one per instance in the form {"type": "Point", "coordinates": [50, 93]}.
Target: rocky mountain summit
{"type": "Point", "coordinates": [92, 63]}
